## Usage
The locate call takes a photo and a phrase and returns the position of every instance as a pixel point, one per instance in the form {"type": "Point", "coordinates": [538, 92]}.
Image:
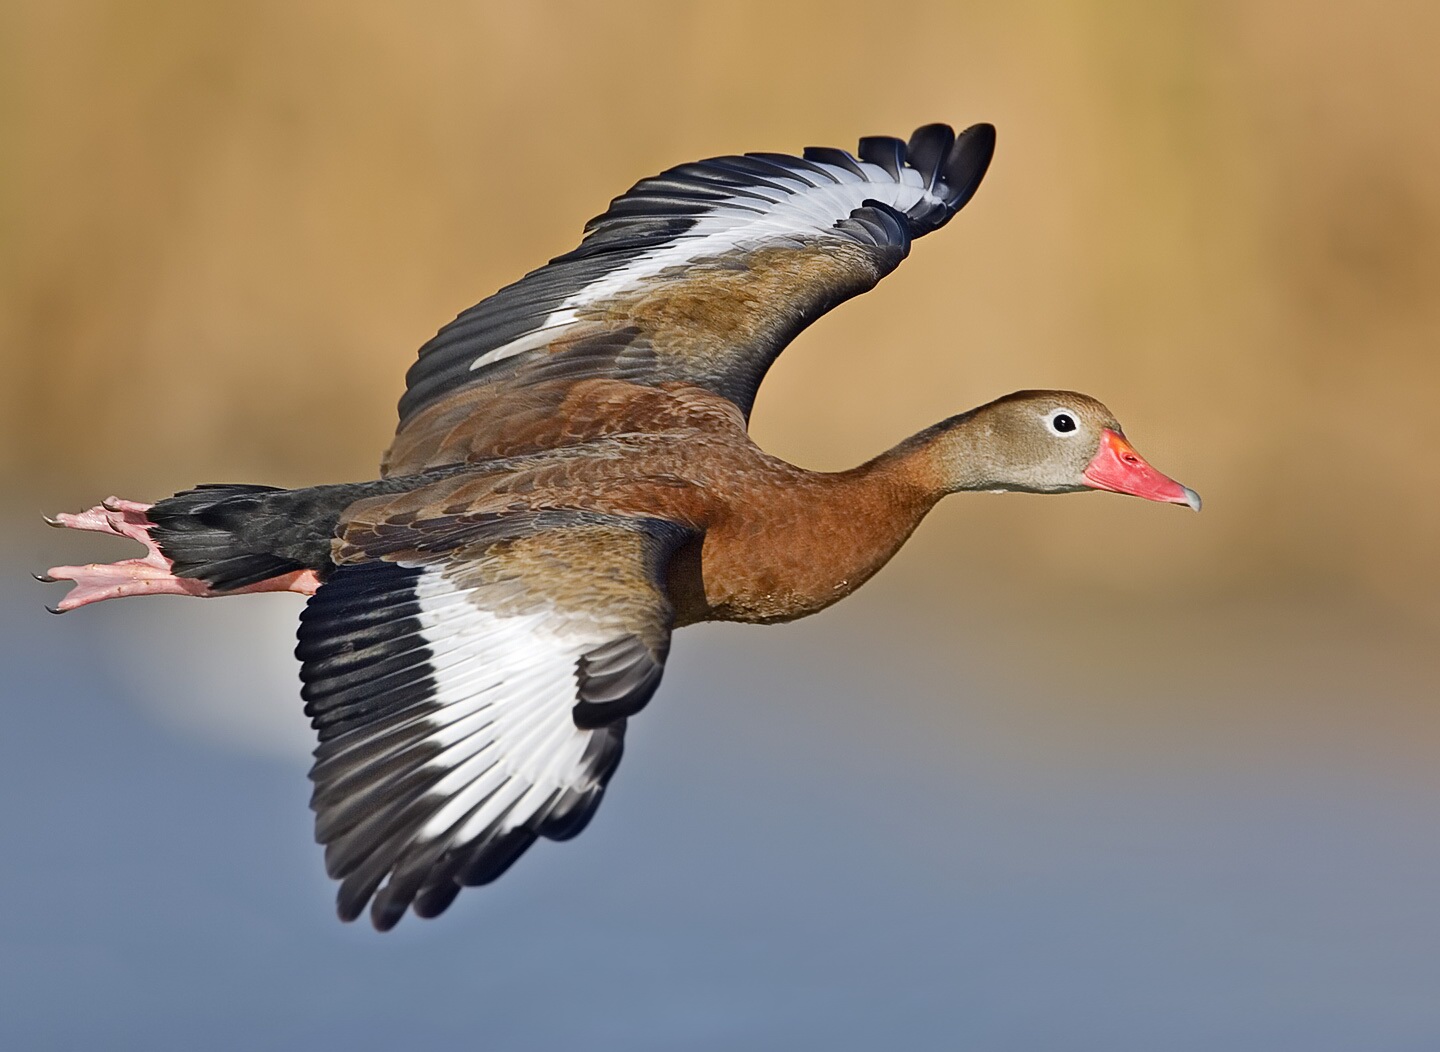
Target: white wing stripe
{"type": "Point", "coordinates": [807, 211]}
{"type": "Point", "coordinates": [505, 686]}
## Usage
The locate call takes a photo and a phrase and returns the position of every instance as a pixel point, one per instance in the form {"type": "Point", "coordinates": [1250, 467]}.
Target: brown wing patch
{"type": "Point", "coordinates": [623, 475]}
{"type": "Point", "coordinates": [481, 423]}
{"type": "Point", "coordinates": [722, 321]}
{"type": "Point", "coordinates": [582, 568]}
{"type": "Point", "coordinates": [707, 332]}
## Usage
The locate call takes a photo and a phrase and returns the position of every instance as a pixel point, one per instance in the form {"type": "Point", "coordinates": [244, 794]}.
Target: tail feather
{"type": "Point", "coordinates": [234, 535]}
{"type": "Point", "coordinates": [207, 532]}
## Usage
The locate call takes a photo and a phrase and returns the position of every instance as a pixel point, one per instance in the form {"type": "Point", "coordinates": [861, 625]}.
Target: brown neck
{"type": "Point", "coordinates": [884, 499]}
{"type": "Point", "coordinates": [795, 546]}
{"type": "Point", "coordinates": [948, 457]}
{"type": "Point", "coordinates": [860, 518]}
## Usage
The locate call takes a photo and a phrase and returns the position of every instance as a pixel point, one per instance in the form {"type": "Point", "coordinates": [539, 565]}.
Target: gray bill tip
{"type": "Point", "coordinates": [1191, 498]}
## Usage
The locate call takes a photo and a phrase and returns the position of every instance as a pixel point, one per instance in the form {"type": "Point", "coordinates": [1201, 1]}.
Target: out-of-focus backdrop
{"type": "Point", "coordinates": [1071, 773]}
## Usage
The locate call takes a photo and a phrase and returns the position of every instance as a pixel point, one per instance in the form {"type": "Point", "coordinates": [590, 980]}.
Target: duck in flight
{"type": "Point", "coordinates": [571, 480]}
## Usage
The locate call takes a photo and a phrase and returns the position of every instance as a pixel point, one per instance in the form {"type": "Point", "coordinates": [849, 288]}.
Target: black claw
{"type": "Point", "coordinates": [54, 609]}
{"type": "Point", "coordinates": [44, 578]}
{"type": "Point", "coordinates": [52, 522]}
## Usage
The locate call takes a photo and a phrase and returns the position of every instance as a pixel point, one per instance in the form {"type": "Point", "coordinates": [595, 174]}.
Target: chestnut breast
{"type": "Point", "coordinates": [781, 543]}
{"type": "Point", "coordinates": [776, 542]}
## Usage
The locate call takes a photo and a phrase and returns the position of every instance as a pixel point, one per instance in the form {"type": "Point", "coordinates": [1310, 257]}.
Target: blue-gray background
{"type": "Point", "coordinates": [789, 857]}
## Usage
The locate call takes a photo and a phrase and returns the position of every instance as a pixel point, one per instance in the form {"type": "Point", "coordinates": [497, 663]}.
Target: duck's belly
{"type": "Point", "coordinates": [739, 575]}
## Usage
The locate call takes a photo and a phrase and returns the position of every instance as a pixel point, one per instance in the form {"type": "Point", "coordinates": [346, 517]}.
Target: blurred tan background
{"type": "Point", "coordinates": [226, 227]}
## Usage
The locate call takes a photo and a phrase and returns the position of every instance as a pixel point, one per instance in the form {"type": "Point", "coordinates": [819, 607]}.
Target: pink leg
{"type": "Point", "coordinates": [149, 575]}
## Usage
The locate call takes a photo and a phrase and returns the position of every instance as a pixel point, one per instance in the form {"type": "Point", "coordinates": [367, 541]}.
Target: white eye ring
{"type": "Point", "coordinates": [1057, 419]}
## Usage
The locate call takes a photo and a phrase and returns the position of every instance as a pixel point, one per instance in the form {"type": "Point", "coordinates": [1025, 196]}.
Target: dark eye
{"type": "Point", "coordinates": [1062, 423]}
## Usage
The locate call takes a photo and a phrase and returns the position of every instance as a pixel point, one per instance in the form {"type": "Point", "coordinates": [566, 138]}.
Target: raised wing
{"type": "Point", "coordinates": [699, 276]}
{"type": "Point", "coordinates": [470, 690]}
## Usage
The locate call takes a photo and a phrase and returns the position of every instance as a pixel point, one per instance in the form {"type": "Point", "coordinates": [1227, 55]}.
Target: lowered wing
{"type": "Point", "coordinates": [470, 687]}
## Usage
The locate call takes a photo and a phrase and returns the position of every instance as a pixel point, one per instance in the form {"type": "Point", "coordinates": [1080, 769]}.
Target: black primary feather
{"type": "Point", "coordinates": [886, 151]}
{"type": "Point", "coordinates": [968, 161]}
{"type": "Point", "coordinates": [927, 150]}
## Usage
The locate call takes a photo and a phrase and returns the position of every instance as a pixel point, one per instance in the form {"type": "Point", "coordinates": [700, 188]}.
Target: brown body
{"type": "Point", "coordinates": [774, 541]}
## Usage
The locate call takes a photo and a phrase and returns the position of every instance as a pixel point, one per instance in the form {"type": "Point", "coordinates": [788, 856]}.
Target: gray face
{"type": "Point", "coordinates": [1040, 441]}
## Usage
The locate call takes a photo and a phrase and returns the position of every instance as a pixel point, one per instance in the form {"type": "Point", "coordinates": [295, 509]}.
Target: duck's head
{"type": "Point", "coordinates": [1052, 442]}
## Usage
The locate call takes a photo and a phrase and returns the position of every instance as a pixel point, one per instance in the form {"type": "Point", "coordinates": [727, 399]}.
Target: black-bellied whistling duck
{"type": "Point", "coordinates": [570, 481]}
